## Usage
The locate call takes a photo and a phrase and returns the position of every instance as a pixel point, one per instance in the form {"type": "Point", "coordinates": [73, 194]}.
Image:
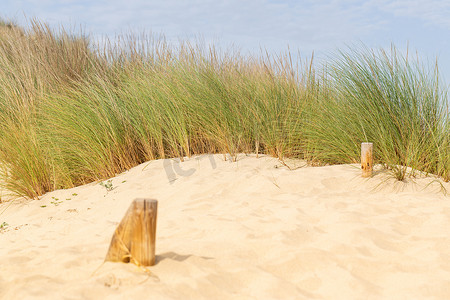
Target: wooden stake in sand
{"type": "Point", "coordinates": [366, 159]}
{"type": "Point", "coordinates": [134, 238]}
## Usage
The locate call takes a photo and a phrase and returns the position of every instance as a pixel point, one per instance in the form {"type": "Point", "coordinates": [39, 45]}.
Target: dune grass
{"type": "Point", "coordinates": [73, 113]}
{"type": "Point", "coordinates": [387, 99]}
{"type": "Point", "coordinates": [33, 63]}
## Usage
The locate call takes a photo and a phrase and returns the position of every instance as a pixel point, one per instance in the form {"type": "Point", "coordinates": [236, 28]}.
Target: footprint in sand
{"type": "Point", "coordinates": [300, 235]}
{"type": "Point", "coordinates": [333, 183]}
{"type": "Point", "coordinates": [383, 240]}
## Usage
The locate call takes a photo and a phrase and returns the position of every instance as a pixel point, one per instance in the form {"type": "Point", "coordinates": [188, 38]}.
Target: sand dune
{"type": "Point", "coordinates": [250, 229]}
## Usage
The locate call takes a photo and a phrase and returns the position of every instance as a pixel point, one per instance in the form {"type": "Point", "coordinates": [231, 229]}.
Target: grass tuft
{"type": "Point", "coordinates": [72, 112]}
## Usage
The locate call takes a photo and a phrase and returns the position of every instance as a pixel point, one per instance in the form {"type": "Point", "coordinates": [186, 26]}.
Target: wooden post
{"type": "Point", "coordinates": [134, 238]}
{"type": "Point", "coordinates": [366, 159]}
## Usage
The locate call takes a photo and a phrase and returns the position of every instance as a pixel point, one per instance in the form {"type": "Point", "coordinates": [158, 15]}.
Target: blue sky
{"type": "Point", "coordinates": [305, 25]}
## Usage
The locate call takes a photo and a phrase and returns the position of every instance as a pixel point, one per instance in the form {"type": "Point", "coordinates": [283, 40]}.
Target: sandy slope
{"type": "Point", "coordinates": [245, 230]}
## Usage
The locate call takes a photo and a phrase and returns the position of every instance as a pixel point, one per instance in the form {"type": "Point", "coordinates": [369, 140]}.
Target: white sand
{"type": "Point", "coordinates": [246, 230]}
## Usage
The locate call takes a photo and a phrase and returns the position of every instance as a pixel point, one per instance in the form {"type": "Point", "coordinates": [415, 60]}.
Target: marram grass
{"type": "Point", "coordinates": [387, 99]}
{"type": "Point", "coordinates": [72, 113]}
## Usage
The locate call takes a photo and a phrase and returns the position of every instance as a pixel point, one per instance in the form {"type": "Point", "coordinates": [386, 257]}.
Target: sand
{"type": "Point", "coordinates": [250, 229]}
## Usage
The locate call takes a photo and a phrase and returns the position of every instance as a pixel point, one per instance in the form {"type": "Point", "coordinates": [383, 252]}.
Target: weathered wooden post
{"type": "Point", "coordinates": [134, 238]}
{"type": "Point", "coordinates": [366, 159]}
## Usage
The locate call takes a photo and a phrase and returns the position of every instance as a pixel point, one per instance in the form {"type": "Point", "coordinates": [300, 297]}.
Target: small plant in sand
{"type": "Point", "coordinates": [56, 201]}
{"type": "Point", "coordinates": [3, 226]}
{"type": "Point", "coordinates": [108, 185]}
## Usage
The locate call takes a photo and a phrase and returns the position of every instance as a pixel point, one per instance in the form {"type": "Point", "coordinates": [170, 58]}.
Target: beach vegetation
{"type": "Point", "coordinates": [108, 185]}
{"type": "Point", "coordinates": [74, 111]}
{"type": "Point", "coordinates": [3, 226]}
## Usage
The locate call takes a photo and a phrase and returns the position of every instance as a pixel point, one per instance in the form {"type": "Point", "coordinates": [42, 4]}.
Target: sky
{"type": "Point", "coordinates": [322, 26]}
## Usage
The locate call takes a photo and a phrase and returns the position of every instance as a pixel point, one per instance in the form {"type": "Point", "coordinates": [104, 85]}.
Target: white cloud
{"type": "Point", "coordinates": [320, 25]}
{"type": "Point", "coordinates": [435, 12]}
{"type": "Point", "coordinates": [312, 23]}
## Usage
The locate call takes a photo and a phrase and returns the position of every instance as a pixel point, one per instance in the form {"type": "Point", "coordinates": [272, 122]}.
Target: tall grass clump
{"type": "Point", "coordinates": [385, 98]}
{"type": "Point", "coordinates": [72, 112]}
{"type": "Point", "coordinates": [166, 102]}
{"type": "Point", "coordinates": [33, 62]}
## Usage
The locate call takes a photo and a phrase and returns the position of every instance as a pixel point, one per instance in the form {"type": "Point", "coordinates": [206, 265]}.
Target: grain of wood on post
{"type": "Point", "coordinates": [134, 238]}
{"type": "Point", "coordinates": [367, 159]}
